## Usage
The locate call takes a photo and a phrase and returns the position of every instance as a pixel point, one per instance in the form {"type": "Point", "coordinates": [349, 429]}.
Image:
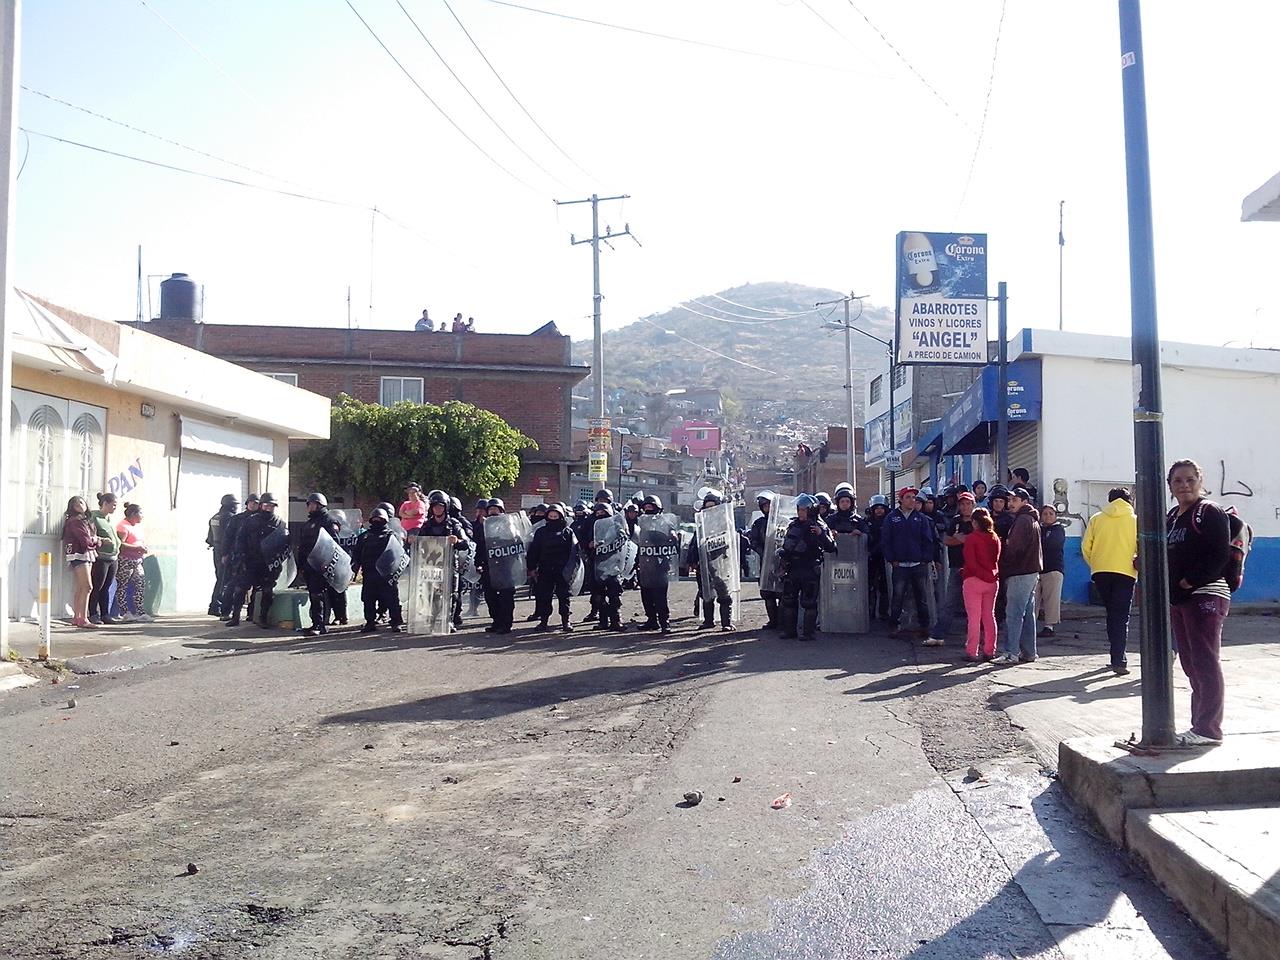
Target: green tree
{"type": "Point", "coordinates": [376, 449]}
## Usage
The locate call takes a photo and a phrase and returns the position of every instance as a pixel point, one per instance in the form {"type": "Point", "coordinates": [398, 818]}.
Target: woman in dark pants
{"type": "Point", "coordinates": [1199, 543]}
{"type": "Point", "coordinates": [104, 568]}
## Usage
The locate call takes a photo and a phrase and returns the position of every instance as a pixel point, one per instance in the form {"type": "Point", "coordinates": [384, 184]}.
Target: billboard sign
{"type": "Point", "coordinates": [597, 467]}
{"type": "Point", "coordinates": [942, 298]}
{"type": "Point", "coordinates": [598, 429]}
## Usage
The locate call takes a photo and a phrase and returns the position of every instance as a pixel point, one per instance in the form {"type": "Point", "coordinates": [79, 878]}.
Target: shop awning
{"type": "Point", "coordinates": [966, 427]}
{"type": "Point", "coordinates": [225, 442]}
{"type": "Point", "coordinates": [41, 338]}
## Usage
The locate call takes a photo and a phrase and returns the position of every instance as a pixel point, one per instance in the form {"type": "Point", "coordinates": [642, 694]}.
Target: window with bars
{"type": "Point", "coordinates": [899, 376]}
{"type": "Point", "coordinates": [877, 389]}
{"type": "Point", "coordinates": [396, 389]}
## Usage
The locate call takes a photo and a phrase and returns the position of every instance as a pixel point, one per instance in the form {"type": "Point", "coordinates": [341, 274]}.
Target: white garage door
{"type": "Point", "coordinates": [203, 481]}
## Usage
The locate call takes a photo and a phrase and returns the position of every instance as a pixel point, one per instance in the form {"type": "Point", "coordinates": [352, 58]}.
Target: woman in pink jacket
{"type": "Point", "coordinates": [80, 546]}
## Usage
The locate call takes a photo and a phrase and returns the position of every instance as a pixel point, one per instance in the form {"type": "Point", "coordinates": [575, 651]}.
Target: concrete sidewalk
{"type": "Point", "coordinates": [1201, 821]}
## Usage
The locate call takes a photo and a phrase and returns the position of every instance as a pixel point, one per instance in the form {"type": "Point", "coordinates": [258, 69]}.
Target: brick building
{"type": "Point", "coordinates": [525, 379]}
{"type": "Point", "coordinates": [825, 467]}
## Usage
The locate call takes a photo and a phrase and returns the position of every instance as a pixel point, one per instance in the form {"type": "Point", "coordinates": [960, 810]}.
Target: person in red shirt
{"type": "Point", "coordinates": [981, 581]}
{"type": "Point", "coordinates": [414, 509]}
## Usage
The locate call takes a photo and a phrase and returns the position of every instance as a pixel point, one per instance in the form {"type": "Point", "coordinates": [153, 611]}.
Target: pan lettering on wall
{"type": "Point", "coordinates": [126, 480]}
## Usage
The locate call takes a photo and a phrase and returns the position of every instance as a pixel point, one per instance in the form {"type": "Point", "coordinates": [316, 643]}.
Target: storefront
{"type": "Point", "coordinates": [100, 407]}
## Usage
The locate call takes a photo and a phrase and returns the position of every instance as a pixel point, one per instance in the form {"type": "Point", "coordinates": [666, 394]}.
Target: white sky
{"type": "Point", "coordinates": [740, 168]}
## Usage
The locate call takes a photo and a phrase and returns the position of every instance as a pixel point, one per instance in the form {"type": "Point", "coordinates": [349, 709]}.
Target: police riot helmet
{"type": "Point", "coordinates": [652, 500]}
{"type": "Point", "coordinates": [455, 504]}
{"type": "Point", "coordinates": [497, 502]}
{"type": "Point", "coordinates": [229, 500]}
{"type": "Point", "coordinates": [605, 495]}
{"type": "Point", "coordinates": [318, 498]}
{"type": "Point", "coordinates": [580, 507]}
{"type": "Point", "coordinates": [843, 485]}
{"type": "Point", "coordinates": [482, 504]}
{"type": "Point", "coordinates": [878, 500]}
{"type": "Point", "coordinates": [998, 492]}
{"type": "Point", "coordinates": [603, 508]}
{"type": "Point", "coordinates": [845, 493]}
{"type": "Point", "coordinates": [378, 514]}
{"type": "Point", "coordinates": [438, 496]}
{"type": "Point", "coordinates": [631, 507]}
{"type": "Point", "coordinates": [538, 509]}
{"type": "Point", "coordinates": [388, 508]}
{"type": "Point", "coordinates": [824, 499]}
{"type": "Point", "coordinates": [766, 496]}
{"type": "Point", "coordinates": [268, 498]}
{"type": "Point", "coordinates": [251, 498]}
{"type": "Point", "coordinates": [556, 508]}
{"type": "Point", "coordinates": [806, 502]}
{"type": "Point", "coordinates": [712, 496]}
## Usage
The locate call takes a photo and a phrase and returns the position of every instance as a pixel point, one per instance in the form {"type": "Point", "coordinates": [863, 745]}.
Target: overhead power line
{"type": "Point", "coordinates": [742, 318]}
{"type": "Point", "coordinates": [666, 36]}
{"type": "Point", "coordinates": [474, 98]}
{"type": "Point", "coordinates": [986, 108]}
{"type": "Point", "coordinates": [439, 109]}
{"type": "Point", "coordinates": [722, 356]}
{"type": "Point", "coordinates": [202, 55]}
{"type": "Point", "coordinates": [155, 136]}
{"type": "Point", "coordinates": [910, 66]}
{"type": "Point", "coordinates": [766, 310]}
{"type": "Point", "coordinates": [511, 93]}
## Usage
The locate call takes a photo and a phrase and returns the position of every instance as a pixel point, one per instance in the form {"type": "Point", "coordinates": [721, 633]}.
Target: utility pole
{"type": "Point", "coordinates": [10, 24]}
{"type": "Point", "coordinates": [1002, 388]}
{"type": "Point", "coordinates": [1148, 413]}
{"type": "Point", "coordinates": [849, 474]}
{"type": "Point", "coordinates": [1062, 244]}
{"type": "Point", "coordinates": [596, 238]}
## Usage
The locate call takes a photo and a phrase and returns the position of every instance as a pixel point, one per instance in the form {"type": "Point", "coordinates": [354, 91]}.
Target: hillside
{"type": "Point", "coordinates": [782, 367]}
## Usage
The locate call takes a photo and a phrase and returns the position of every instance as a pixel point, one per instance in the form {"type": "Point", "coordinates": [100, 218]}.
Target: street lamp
{"type": "Point", "coordinates": [848, 360]}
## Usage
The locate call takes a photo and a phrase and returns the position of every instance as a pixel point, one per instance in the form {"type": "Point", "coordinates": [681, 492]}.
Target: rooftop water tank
{"type": "Point", "coordinates": [181, 298]}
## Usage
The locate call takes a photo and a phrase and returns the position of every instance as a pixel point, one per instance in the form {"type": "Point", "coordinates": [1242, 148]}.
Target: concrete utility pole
{"type": "Point", "coordinates": [1002, 388]}
{"type": "Point", "coordinates": [10, 21]}
{"type": "Point", "coordinates": [597, 354]}
{"type": "Point", "coordinates": [849, 474]}
{"type": "Point", "coordinates": [1148, 413]}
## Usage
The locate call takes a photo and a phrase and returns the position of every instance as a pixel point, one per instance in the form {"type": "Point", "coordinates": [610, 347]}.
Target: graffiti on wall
{"type": "Point", "coordinates": [127, 479]}
{"type": "Point", "coordinates": [1247, 490]}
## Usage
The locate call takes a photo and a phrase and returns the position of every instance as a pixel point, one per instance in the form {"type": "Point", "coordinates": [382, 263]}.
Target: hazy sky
{"type": "Point", "coordinates": [800, 163]}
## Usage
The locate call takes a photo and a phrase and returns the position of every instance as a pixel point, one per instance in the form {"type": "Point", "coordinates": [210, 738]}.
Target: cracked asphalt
{"type": "Point", "coordinates": [475, 796]}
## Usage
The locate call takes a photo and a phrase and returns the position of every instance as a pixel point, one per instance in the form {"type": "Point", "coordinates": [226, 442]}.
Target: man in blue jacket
{"type": "Point", "coordinates": [909, 541]}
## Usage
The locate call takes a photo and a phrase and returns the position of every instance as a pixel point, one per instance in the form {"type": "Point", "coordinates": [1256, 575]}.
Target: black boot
{"type": "Point", "coordinates": [565, 625]}
{"type": "Point", "coordinates": [541, 627]}
{"type": "Point", "coordinates": [665, 628]}
{"type": "Point", "coordinates": [650, 624]}
{"type": "Point", "coordinates": [234, 619]}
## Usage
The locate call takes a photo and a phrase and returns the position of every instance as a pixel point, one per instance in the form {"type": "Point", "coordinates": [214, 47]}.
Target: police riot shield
{"type": "Point", "coordinates": [347, 527]}
{"type": "Point", "coordinates": [429, 609]}
{"type": "Point", "coordinates": [658, 550]}
{"type": "Point", "coordinates": [575, 573]}
{"type": "Point", "coordinates": [842, 604]}
{"type": "Point", "coordinates": [330, 561]}
{"type": "Point", "coordinates": [611, 547]}
{"type": "Point", "coordinates": [469, 572]}
{"type": "Point", "coordinates": [781, 513]}
{"type": "Point", "coordinates": [275, 546]}
{"type": "Point", "coordinates": [393, 559]}
{"type": "Point", "coordinates": [718, 553]}
{"type": "Point", "coordinates": [504, 540]}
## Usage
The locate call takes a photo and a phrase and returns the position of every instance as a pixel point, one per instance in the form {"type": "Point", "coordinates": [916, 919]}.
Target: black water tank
{"type": "Point", "coordinates": [181, 299]}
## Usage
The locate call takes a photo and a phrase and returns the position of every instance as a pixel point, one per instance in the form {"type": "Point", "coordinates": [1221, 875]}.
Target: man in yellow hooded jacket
{"type": "Point", "coordinates": [1110, 547]}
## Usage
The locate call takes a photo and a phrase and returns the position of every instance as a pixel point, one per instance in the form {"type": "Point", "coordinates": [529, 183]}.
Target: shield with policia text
{"type": "Point", "coordinates": [842, 604]}
{"type": "Point", "coordinates": [329, 560]}
{"type": "Point", "coordinates": [275, 546]}
{"type": "Point", "coordinates": [658, 550]}
{"type": "Point", "coordinates": [505, 540]}
{"type": "Point", "coordinates": [431, 583]}
{"type": "Point", "coordinates": [781, 513]}
{"type": "Point", "coordinates": [393, 559]}
{"type": "Point", "coordinates": [718, 553]}
{"type": "Point", "coordinates": [611, 547]}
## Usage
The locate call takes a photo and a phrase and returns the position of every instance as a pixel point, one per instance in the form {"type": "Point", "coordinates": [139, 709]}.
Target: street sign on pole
{"type": "Point", "coordinates": [598, 467]}
{"type": "Point", "coordinates": [893, 460]}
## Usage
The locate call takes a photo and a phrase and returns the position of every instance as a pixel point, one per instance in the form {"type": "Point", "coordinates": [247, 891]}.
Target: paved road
{"type": "Point", "coordinates": [520, 797]}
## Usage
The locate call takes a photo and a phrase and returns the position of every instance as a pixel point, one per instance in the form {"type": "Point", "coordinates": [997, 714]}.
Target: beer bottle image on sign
{"type": "Point", "coordinates": [921, 266]}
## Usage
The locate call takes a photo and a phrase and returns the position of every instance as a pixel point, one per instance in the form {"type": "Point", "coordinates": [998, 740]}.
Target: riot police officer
{"type": "Point", "coordinates": [319, 590]}
{"type": "Point", "coordinates": [719, 593]}
{"type": "Point", "coordinates": [501, 602]}
{"type": "Point", "coordinates": [653, 598]}
{"type": "Point", "coordinates": [877, 577]}
{"type": "Point", "coordinates": [380, 585]}
{"type": "Point", "coordinates": [263, 542]}
{"type": "Point", "coordinates": [233, 559]}
{"type": "Point", "coordinates": [584, 524]}
{"type": "Point", "coordinates": [606, 590]}
{"type": "Point", "coordinates": [845, 519]}
{"type": "Point", "coordinates": [551, 553]}
{"type": "Point", "coordinates": [219, 524]}
{"type": "Point", "coordinates": [824, 505]}
{"type": "Point", "coordinates": [474, 590]}
{"type": "Point", "coordinates": [439, 523]}
{"type": "Point", "coordinates": [806, 540]}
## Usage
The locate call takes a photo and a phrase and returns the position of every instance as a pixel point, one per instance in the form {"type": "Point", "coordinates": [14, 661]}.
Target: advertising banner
{"type": "Point", "coordinates": [598, 434]}
{"type": "Point", "coordinates": [597, 467]}
{"type": "Point", "coordinates": [942, 298]}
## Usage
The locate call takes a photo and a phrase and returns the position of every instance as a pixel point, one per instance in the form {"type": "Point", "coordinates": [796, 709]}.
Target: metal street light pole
{"type": "Point", "coordinates": [1148, 414]}
{"type": "Point", "coordinates": [849, 474]}
{"type": "Point", "coordinates": [848, 326]}
{"type": "Point", "coordinates": [10, 21]}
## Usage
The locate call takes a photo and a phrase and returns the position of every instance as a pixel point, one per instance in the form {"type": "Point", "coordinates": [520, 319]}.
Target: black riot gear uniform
{"type": "Point", "coordinates": [258, 570]}
{"type": "Point", "coordinates": [801, 557]}
{"type": "Point", "coordinates": [551, 555]}
{"type": "Point", "coordinates": [584, 531]}
{"type": "Point", "coordinates": [321, 595]}
{"type": "Point", "coordinates": [377, 589]}
{"type": "Point", "coordinates": [220, 530]}
{"type": "Point", "coordinates": [757, 538]}
{"type": "Point", "coordinates": [447, 526]}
